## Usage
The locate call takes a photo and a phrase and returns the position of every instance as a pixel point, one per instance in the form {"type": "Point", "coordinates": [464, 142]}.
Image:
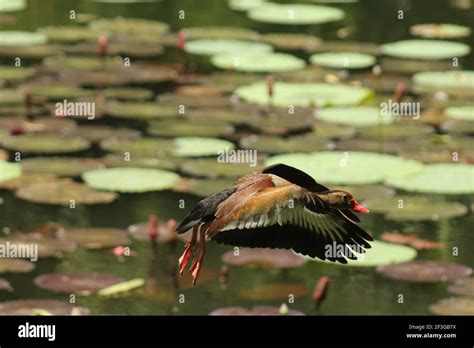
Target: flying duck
{"type": "Point", "coordinates": [279, 207]}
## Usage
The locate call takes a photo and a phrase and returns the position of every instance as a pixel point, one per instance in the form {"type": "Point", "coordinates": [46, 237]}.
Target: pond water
{"type": "Point", "coordinates": [353, 290]}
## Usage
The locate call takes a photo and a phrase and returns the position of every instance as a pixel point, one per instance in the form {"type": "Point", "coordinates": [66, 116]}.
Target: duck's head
{"type": "Point", "coordinates": [340, 199]}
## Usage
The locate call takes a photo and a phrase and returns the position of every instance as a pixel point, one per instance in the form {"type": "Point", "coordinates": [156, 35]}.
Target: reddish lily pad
{"type": "Point", "coordinates": [411, 240]}
{"type": "Point", "coordinates": [265, 258]}
{"type": "Point", "coordinates": [5, 285]}
{"type": "Point", "coordinates": [76, 283]}
{"type": "Point", "coordinates": [271, 292]}
{"type": "Point", "coordinates": [454, 306]}
{"type": "Point", "coordinates": [166, 232]}
{"type": "Point", "coordinates": [97, 238]}
{"type": "Point", "coordinates": [16, 266]}
{"type": "Point", "coordinates": [425, 271]}
{"type": "Point", "coordinates": [464, 287]}
{"type": "Point", "coordinates": [35, 307]}
{"type": "Point", "coordinates": [260, 310]}
{"type": "Point", "coordinates": [42, 125]}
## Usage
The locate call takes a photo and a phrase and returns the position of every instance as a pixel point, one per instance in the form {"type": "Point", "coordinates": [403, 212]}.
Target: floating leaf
{"type": "Point", "coordinates": [395, 131]}
{"type": "Point", "coordinates": [440, 31]}
{"type": "Point", "coordinates": [411, 240]}
{"type": "Point", "coordinates": [337, 167]}
{"type": "Point", "coordinates": [371, 145]}
{"type": "Point", "coordinates": [302, 94]}
{"type": "Point", "coordinates": [214, 115]}
{"type": "Point", "coordinates": [463, 113]}
{"type": "Point", "coordinates": [274, 144]}
{"type": "Point", "coordinates": [12, 5]}
{"type": "Point", "coordinates": [245, 5]}
{"type": "Point", "coordinates": [68, 34]}
{"type": "Point", "coordinates": [9, 171]}
{"type": "Point", "coordinates": [333, 131]}
{"type": "Point", "coordinates": [412, 66]}
{"type": "Point", "coordinates": [119, 288]}
{"type": "Point", "coordinates": [212, 168]}
{"type": "Point", "coordinates": [183, 127]}
{"type": "Point", "coordinates": [349, 46]}
{"type": "Point", "coordinates": [15, 265]}
{"type": "Point", "coordinates": [356, 116]}
{"type": "Point", "coordinates": [124, 47]}
{"type": "Point", "coordinates": [47, 144]}
{"type": "Point", "coordinates": [128, 93]}
{"type": "Point", "coordinates": [21, 38]}
{"type": "Point", "coordinates": [129, 26]}
{"type": "Point", "coordinates": [271, 292]}
{"type": "Point", "coordinates": [44, 125]}
{"type": "Point", "coordinates": [220, 33]}
{"type": "Point", "coordinates": [31, 307]}
{"type": "Point", "coordinates": [437, 178]}
{"type": "Point", "coordinates": [458, 82]}
{"type": "Point", "coordinates": [63, 192]}
{"type": "Point", "coordinates": [81, 63]}
{"type": "Point", "coordinates": [5, 285]}
{"type": "Point", "coordinates": [60, 92]}
{"type": "Point", "coordinates": [454, 306]}
{"type": "Point", "coordinates": [76, 283]}
{"type": "Point", "coordinates": [10, 96]}
{"type": "Point", "coordinates": [364, 192]}
{"type": "Point", "coordinates": [140, 232]}
{"type": "Point", "coordinates": [265, 258]}
{"type": "Point", "coordinates": [259, 62]}
{"type": "Point", "coordinates": [193, 101]}
{"type": "Point", "coordinates": [464, 287]}
{"type": "Point", "coordinates": [130, 179]}
{"type": "Point", "coordinates": [30, 52]}
{"type": "Point", "coordinates": [198, 147]}
{"type": "Point", "coordinates": [15, 74]}
{"type": "Point", "coordinates": [140, 111]}
{"type": "Point", "coordinates": [168, 163]}
{"type": "Point", "coordinates": [211, 47]}
{"type": "Point", "coordinates": [203, 187]}
{"type": "Point", "coordinates": [96, 134]}
{"type": "Point", "coordinates": [289, 41]}
{"type": "Point", "coordinates": [425, 49]}
{"type": "Point", "coordinates": [60, 166]}
{"type": "Point", "coordinates": [143, 147]}
{"type": "Point", "coordinates": [283, 123]}
{"type": "Point", "coordinates": [97, 238]}
{"type": "Point", "coordinates": [425, 271]}
{"type": "Point", "coordinates": [294, 14]}
{"type": "Point", "coordinates": [260, 310]}
{"type": "Point", "coordinates": [346, 60]}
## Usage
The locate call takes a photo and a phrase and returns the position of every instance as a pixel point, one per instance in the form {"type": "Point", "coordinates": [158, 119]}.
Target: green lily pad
{"type": "Point", "coordinates": [198, 147]}
{"type": "Point", "coordinates": [9, 171]}
{"type": "Point", "coordinates": [183, 127]}
{"type": "Point", "coordinates": [76, 283]}
{"type": "Point", "coordinates": [63, 192]}
{"type": "Point", "coordinates": [210, 168]}
{"type": "Point", "coordinates": [203, 187]}
{"type": "Point", "coordinates": [68, 34]}
{"type": "Point", "coordinates": [365, 192]}
{"type": "Point", "coordinates": [129, 26]}
{"type": "Point", "coordinates": [438, 156]}
{"type": "Point", "coordinates": [60, 62]}
{"type": "Point", "coordinates": [96, 134]}
{"type": "Point", "coordinates": [458, 127]}
{"type": "Point", "coordinates": [245, 5]}
{"type": "Point", "coordinates": [412, 66]}
{"type": "Point", "coordinates": [289, 41]}
{"type": "Point", "coordinates": [258, 310]}
{"type": "Point", "coordinates": [15, 266]}
{"type": "Point", "coordinates": [12, 5]}
{"type": "Point", "coordinates": [211, 47]}
{"type": "Point", "coordinates": [47, 144]}
{"type": "Point", "coordinates": [21, 38]}
{"type": "Point", "coordinates": [356, 116]}
{"type": "Point", "coordinates": [274, 144]}
{"type": "Point", "coordinates": [128, 93]}
{"type": "Point", "coordinates": [42, 307]}
{"type": "Point", "coordinates": [60, 92]}
{"type": "Point", "coordinates": [395, 131]}
{"type": "Point", "coordinates": [193, 101]}
{"type": "Point", "coordinates": [25, 179]}
{"type": "Point", "coordinates": [15, 74]}
{"type": "Point", "coordinates": [60, 166]}
{"type": "Point", "coordinates": [425, 271]}
{"type": "Point", "coordinates": [440, 31]}
{"type": "Point", "coordinates": [303, 94]}
{"type": "Point", "coordinates": [112, 160]}
{"type": "Point", "coordinates": [215, 115]}
{"type": "Point", "coordinates": [97, 238]}
{"type": "Point", "coordinates": [347, 60]}
{"type": "Point", "coordinates": [125, 48]}
{"type": "Point", "coordinates": [143, 147]}
{"type": "Point", "coordinates": [425, 49]}
{"type": "Point", "coordinates": [380, 254]}
{"type": "Point", "coordinates": [415, 208]}
{"type": "Point", "coordinates": [437, 178]}
{"type": "Point", "coordinates": [10, 96]}
{"type": "Point", "coordinates": [40, 125]}
{"type": "Point", "coordinates": [464, 287]}
{"type": "Point", "coordinates": [140, 111]}
{"type": "Point", "coordinates": [220, 33]}
{"type": "Point", "coordinates": [333, 131]}
{"type": "Point", "coordinates": [98, 79]}
{"type": "Point", "coordinates": [463, 113]}
{"type": "Point", "coordinates": [295, 14]}
{"type": "Point", "coordinates": [345, 168]}
{"type": "Point", "coordinates": [130, 179]}
{"type": "Point", "coordinates": [228, 81]}
{"type": "Point", "coordinates": [342, 46]}
{"type": "Point", "coordinates": [259, 62]}
{"type": "Point", "coordinates": [271, 292]}
{"type": "Point", "coordinates": [30, 52]}
{"type": "Point", "coordinates": [370, 145]}
{"type": "Point", "coordinates": [454, 306]}
{"type": "Point", "coordinates": [264, 258]}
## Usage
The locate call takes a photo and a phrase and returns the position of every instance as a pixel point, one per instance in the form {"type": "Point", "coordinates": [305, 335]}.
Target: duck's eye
{"type": "Point", "coordinates": [345, 198]}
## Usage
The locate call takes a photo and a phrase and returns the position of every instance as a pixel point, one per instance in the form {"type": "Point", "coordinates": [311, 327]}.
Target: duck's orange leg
{"type": "Point", "coordinates": [197, 262]}
{"type": "Point", "coordinates": [188, 251]}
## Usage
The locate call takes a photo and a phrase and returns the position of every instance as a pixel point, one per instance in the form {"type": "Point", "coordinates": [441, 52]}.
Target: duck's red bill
{"type": "Point", "coordinates": [360, 208]}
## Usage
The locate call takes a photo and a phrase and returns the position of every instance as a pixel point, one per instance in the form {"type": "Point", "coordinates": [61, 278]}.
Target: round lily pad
{"type": "Point", "coordinates": [15, 74]}
{"type": "Point", "coordinates": [26, 179]}
{"type": "Point", "coordinates": [411, 240]}
{"type": "Point", "coordinates": [43, 125]}
{"type": "Point", "coordinates": [68, 34]}
{"type": "Point", "coordinates": [225, 115]}
{"type": "Point", "coordinates": [97, 238]}
{"type": "Point", "coordinates": [168, 163]}
{"type": "Point", "coordinates": [282, 123]}
{"type": "Point", "coordinates": [346, 60]}
{"type": "Point", "coordinates": [463, 113]}
{"type": "Point", "coordinates": [411, 66]}
{"type": "Point", "coordinates": [130, 179]}
{"type": "Point", "coordinates": [5, 285]}
{"type": "Point", "coordinates": [47, 144]}
{"type": "Point", "coordinates": [425, 49]}
{"type": "Point", "coordinates": [415, 208]}
{"type": "Point", "coordinates": [437, 178]}
{"type": "Point", "coordinates": [265, 258]}
{"type": "Point", "coordinates": [356, 116]}
{"type": "Point", "coordinates": [96, 134]}
{"type": "Point", "coordinates": [140, 232]}
{"type": "Point", "coordinates": [454, 306]}
{"type": "Point", "coordinates": [365, 192]}
{"type": "Point", "coordinates": [60, 166]}
{"type": "Point", "coordinates": [193, 101]}
{"type": "Point", "coordinates": [140, 111]}
{"type": "Point", "coordinates": [203, 187]}
{"type": "Point", "coordinates": [458, 82]}
{"type": "Point", "coordinates": [60, 92]}
{"type": "Point", "coordinates": [259, 62]}
{"type": "Point", "coordinates": [198, 147]}
{"type": "Point", "coordinates": [143, 147]}
{"type": "Point", "coordinates": [381, 253]}
{"type": "Point", "coordinates": [271, 292]}
{"type": "Point", "coordinates": [440, 31]}
{"type": "Point", "coordinates": [303, 94]}
{"type": "Point", "coordinates": [211, 47]}
{"type": "Point", "coordinates": [125, 48]}
{"type": "Point", "coordinates": [210, 168]}
{"type": "Point", "coordinates": [395, 131]}
{"type": "Point", "coordinates": [128, 93]}
{"type": "Point", "coordinates": [463, 287]}
{"type": "Point", "coordinates": [274, 144]}
{"type": "Point", "coordinates": [349, 46]}
{"type": "Point", "coordinates": [220, 33]}
{"type": "Point", "coordinates": [259, 310]}
{"type": "Point", "coordinates": [338, 167]}
{"type": "Point", "coordinates": [11, 96]}
{"type": "Point", "coordinates": [294, 14]}
{"type": "Point", "coordinates": [76, 283]}
{"type": "Point", "coordinates": [30, 52]}
{"type": "Point", "coordinates": [244, 5]}
{"type": "Point", "coordinates": [324, 130]}
{"type": "Point", "coordinates": [21, 38]}
{"type": "Point", "coordinates": [35, 307]}
{"type": "Point", "coordinates": [425, 271]}
{"type": "Point", "coordinates": [63, 192]}
{"type": "Point", "coordinates": [371, 145]}
{"type": "Point", "coordinates": [16, 266]}
{"type": "Point", "coordinates": [289, 41]}
{"type": "Point", "coordinates": [183, 127]}
{"type": "Point", "coordinates": [12, 5]}
{"type": "Point", "coordinates": [81, 63]}
{"type": "Point", "coordinates": [130, 26]}
{"type": "Point", "coordinates": [9, 171]}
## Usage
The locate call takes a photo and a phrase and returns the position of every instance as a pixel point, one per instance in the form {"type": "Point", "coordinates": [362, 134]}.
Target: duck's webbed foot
{"type": "Point", "coordinates": [188, 251]}
{"type": "Point", "coordinates": [198, 260]}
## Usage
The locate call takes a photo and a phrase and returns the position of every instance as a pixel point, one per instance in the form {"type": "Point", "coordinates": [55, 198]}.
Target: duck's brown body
{"type": "Point", "coordinates": [280, 207]}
